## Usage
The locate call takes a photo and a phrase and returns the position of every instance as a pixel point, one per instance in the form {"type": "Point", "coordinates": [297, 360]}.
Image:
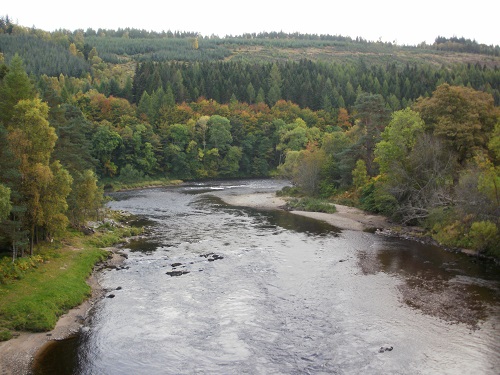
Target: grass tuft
{"type": "Point", "coordinates": [311, 204]}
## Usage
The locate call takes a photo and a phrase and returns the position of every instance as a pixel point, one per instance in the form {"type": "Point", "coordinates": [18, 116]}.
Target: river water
{"type": "Point", "coordinates": [216, 289]}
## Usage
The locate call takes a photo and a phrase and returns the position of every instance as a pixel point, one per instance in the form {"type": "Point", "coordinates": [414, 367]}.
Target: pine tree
{"type": "Point", "coordinates": [15, 86]}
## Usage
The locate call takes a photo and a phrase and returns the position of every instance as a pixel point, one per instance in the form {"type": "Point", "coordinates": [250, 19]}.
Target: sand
{"type": "Point", "coordinates": [345, 218]}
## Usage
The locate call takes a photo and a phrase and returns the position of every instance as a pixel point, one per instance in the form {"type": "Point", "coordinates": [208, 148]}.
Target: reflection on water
{"type": "Point", "coordinates": [226, 290]}
{"type": "Point", "coordinates": [58, 357]}
{"type": "Point", "coordinates": [453, 287]}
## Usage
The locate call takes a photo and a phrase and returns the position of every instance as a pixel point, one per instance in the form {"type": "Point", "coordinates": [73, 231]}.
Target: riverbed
{"type": "Point", "coordinates": [214, 288]}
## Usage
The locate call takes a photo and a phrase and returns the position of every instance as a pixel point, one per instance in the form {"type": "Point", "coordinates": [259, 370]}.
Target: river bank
{"type": "Point", "coordinates": [349, 218]}
{"type": "Point", "coordinates": [17, 354]}
{"type": "Point", "coordinates": [17, 359]}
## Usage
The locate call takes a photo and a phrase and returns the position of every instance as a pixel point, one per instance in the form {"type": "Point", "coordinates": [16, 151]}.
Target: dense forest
{"type": "Point", "coordinates": [409, 132]}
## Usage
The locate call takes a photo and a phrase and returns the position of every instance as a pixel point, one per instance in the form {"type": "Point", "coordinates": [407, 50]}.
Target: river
{"type": "Point", "coordinates": [217, 289]}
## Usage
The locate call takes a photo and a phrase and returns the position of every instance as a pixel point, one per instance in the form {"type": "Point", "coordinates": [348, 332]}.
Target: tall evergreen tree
{"type": "Point", "coordinates": [14, 87]}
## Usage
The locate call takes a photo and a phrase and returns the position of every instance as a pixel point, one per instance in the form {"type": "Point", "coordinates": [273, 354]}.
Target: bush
{"type": "Point", "coordinates": [129, 174]}
{"type": "Point", "coordinates": [312, 205]}
{"type": "Point", "coordinates": [347, 198]}
{"type": "Point", "coordinates": [10, 270]}
{"type": "Point", "coordinates": [483, 236]}
{"type": "Point", "coordinates": [375, 198]}
{"type": "Point", "coordinates": [5, 334]}
{"type": "Point", "coordinates": [289, 191]}
{"type": "Point", "coordinates": [452, 234]}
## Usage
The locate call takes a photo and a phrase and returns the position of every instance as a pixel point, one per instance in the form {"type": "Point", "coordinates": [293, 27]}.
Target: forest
{"type": "Point", "coordinates": [409, 132]}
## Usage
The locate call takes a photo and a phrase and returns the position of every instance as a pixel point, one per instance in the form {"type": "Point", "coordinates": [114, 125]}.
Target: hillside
{"type": "Point", "coordinates": [411, 132]}
{"type": "Point", "coordinates": [119, 46]}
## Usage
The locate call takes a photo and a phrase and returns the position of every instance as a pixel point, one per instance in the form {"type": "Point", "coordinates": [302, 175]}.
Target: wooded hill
{"type": "Point", "coordinates": [410, 132]}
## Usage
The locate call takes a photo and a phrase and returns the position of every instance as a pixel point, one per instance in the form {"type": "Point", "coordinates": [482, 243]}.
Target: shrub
{"type": "Point", "coordinates": [10, 270]}
{"type": "Point", "coordinates": [375, 198]}
{"type": "Point", "coordinates": [312, 205]}
{"type": "Point", "coordinates": [483, 235]}
{"type": "Point", "coordinates": [289, 191]}
{"type": "Point", "coordinates": [452, 234]}
{"type": "Point", "coordinates": [5, 334]}
{"type": "Point", "coordinates": [129, 174]}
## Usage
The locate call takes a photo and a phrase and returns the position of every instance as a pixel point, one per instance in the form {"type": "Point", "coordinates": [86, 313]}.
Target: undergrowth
{"type": "Point", "coordinates": [311, 204]}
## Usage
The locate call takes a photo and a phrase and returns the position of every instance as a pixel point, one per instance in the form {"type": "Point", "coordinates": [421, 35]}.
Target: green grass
{"type": "Point", "coordinates": [311, 204]}
{"type": "Point", "coordinates": [37, 300]}
{"type": "Point", "coordinates": [117, 185]}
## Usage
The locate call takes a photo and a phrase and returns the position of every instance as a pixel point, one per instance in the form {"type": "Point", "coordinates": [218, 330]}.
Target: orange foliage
{"type": "Point", "coordinates": [343, 119]}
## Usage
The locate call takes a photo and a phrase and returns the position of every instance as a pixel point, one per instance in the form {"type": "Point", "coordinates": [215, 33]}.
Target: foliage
{"type": "Point", "coordinates": [319, 86]}
{"type": "Point", "coordinates": [359, 175]}
{"type": "Point", "coordinates": [14, 87]}
{"type": "Point", "coordinates": [451, 233]}
{"type": "Point", "coordinates": [464, 45]}
{"type": "Point", "coordinates": [311, 204]}
{"type": "Point", "coordinates": [130, 174]}
{"type": "Point", "coordinates": [10, 271]}
{"type": "Point", "coordinates": [324, 124]}
{"type": "Point", "coordinates": [43, 57]}
{"type": "Point", "coordinates": [5, 205]}
{"type": "Point", "coordinates": [289, 191]}
{"type": "Point", "coordinates": [462, 117]}
{"type": "Point", "coordinates": [375, 197]}
{"type": "Point", "coordinates": [398, 139]}
{"type": "Point", "coordinates": [484, 236]}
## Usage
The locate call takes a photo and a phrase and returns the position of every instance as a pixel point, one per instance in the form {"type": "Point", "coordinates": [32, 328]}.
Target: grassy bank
{"type": "Point", "coordinates": [118, 185]}
{"type": "Point", "coordinates": [37, 296]}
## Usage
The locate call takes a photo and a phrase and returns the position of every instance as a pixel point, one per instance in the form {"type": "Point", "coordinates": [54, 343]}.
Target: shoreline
{"type": "Point", "coordinates": [18, 354]}
{"type": "Point", "coordinates": [347, 218]}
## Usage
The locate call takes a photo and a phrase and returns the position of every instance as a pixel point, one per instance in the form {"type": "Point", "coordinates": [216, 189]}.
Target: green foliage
{"type": "Point", "coordinates": [374, 197]}
{"type": "Point", "coordinates": [359, 175]}
{"type": "Point", "coordinates": [15, 86]}
{"type": "Point", "coordinates": [451, 233]}
{"type": "Point", "coordinates": [5, 205]}
{"type": "Point", "coordinates": [464, 45]}
{"type": "Point", "coordinates": [326, 125]}
{"type": "Point", "coordinates": [494, 143]}
{"type": "Point", "coordinates": [105, 140]}
{"type": "Point", "coordinates": [15, 270]}
{"type": "Point", "coordinates": [289, 191]}
{"type": "Point", "coordinates": [42, 56]}
{"type": "Point", "coordinates": [109, 236]}
{"type": "Point", "coordinates": [398, 85]}
{"type": "Point", "coordinates": [219, 134]}
{"type": "Point", "coordinates": [484, 236]}
{"type": "Point", "coordinates": [398, 139]}
{"type": "Point", "coordinates": [5, 334]}
{"type": "Point", "coordinates": [311, 204]}
{"type": "Point", "coordinates": [130, 174]}
{"type": "Point", "coordinates": [85, 198]}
